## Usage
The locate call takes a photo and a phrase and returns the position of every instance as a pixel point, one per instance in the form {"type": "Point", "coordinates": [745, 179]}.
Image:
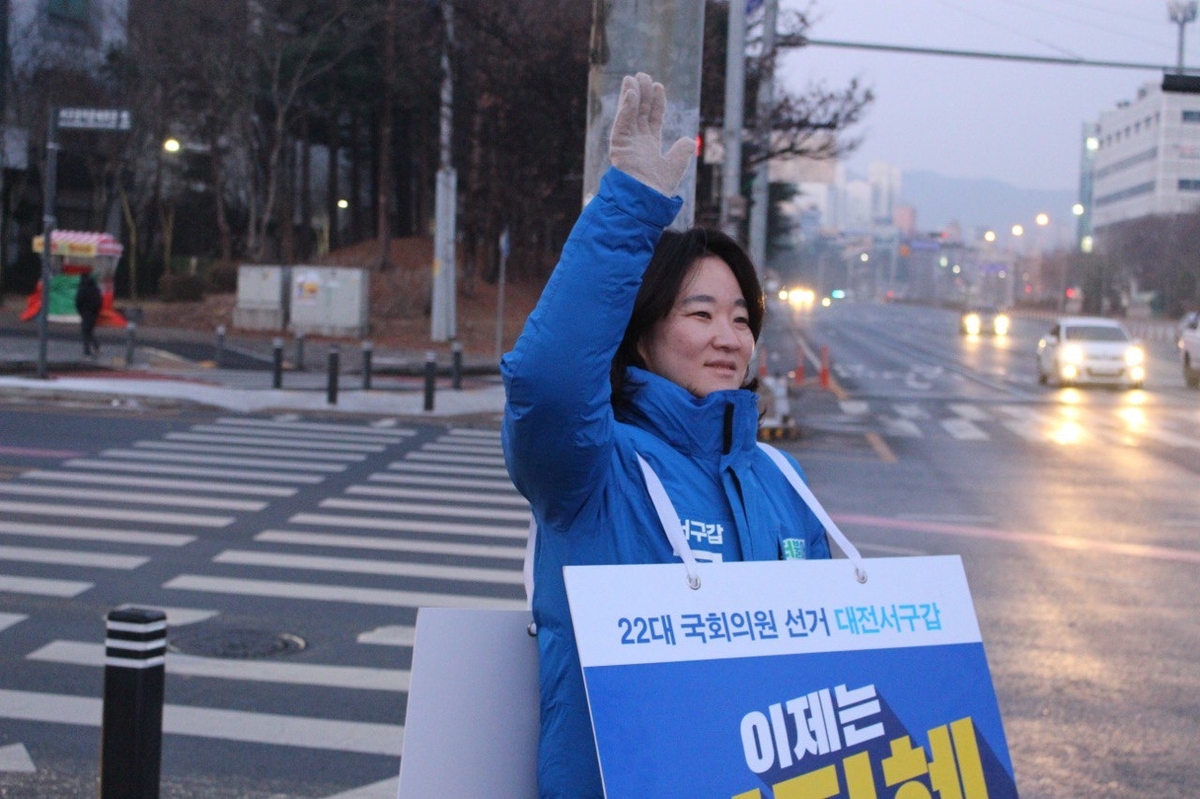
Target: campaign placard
{"type": "Point", "coordinates": [789, 679]}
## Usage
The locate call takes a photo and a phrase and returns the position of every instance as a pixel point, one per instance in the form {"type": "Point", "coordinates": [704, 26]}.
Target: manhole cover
{"type": "Point", "coordinates": [235, 643]}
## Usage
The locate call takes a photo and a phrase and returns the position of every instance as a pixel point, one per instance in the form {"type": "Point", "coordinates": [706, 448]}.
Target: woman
{"type": "Point", "coordinates": [639, 346]}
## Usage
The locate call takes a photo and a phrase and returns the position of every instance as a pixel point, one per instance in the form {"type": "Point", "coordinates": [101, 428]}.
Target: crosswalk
{"type": "Point", "coordinates": [1126, 424]}
{"type": "Point", "coordinates": [399, 518]}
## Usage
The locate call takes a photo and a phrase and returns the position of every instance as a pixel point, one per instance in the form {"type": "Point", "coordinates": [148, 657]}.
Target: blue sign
{"type": "Point", "coordinates": [789, 679]}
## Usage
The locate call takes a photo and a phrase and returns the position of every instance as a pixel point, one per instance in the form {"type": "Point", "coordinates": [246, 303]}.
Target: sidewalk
{"type": "Point", "coordinates": [186, 367]}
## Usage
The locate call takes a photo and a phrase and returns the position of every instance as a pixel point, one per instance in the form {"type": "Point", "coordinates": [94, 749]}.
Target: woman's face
{"type": "Point", "coordinates": [704, 344]}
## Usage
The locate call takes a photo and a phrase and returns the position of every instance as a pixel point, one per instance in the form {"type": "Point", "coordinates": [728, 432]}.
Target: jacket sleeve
{"type": "Point", "coordinates": [558, 420]}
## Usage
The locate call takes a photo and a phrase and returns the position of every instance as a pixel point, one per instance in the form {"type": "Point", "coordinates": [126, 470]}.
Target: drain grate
{"type": "Point", "coordinates": [241, 644]}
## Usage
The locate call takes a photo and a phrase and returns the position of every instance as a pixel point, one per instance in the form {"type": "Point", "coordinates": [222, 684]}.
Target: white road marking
{"type": "Point", "coordinates": [266, 463]}
{"type": "Point", "coordinates": [78, 533]}
{"type": "Point", "coordinates": [445, 482]}
{"type": "Point", "coordinates": [335, 593]}
{"type": "Point", "coordinates": [412, 525]}
{"type": "Point", "coordinates": [196, 471]}
{"type": "Point", "coordinates": [964, 430]}
{"type": "Point", "coordinates": [157, 482]}
{"type": "Point", "coordinates": [438, 457]}
{"type": "Point", "coordinates": [390, 544]}
{"type": "Point", "coordinates": [230, 725]}
{"type": "Point", "coordinates": [369, 566]}
{"type": "Point", "coordinates": [279, 443]}
{"type": "Point", "coordinates": [271, 452]}
{"type": "Point", "coordinates": [9, 619]}
{"type": "Point", "coordinates": [67, 557]}
{"type": "Point", "coordinates": [117, 514]}
{"type": "Point", "coordinates": [42, 587]}
{"type": "Point", "coordinates": [134, 498]}
{"type": "Point", "coordinates": [971, 413]}
{"type": "Point", "coordinates": [85, 653]}
{"type": "Point", "coordinates": [15, 758]}
{"type": "Point", "coordinates": [425, 510]}
{"type": "Point", "coordinates": [391, 635]}
{"type": "Point", "coordinates": [315, 426]}
{"type": "Point", "coordinates": [431, 468]}
{"type": "Point", "coordinates": [510, 498]}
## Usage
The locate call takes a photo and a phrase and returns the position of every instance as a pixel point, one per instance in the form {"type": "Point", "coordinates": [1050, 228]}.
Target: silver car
{"type": "Point", "coordinates": [1090, 349]}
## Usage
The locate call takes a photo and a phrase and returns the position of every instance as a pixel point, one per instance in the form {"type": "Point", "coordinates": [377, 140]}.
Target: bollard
{"type": "Point", "coordinates": [430, 375]}
{"type": "Point", "coordinates": [456, 366]}
{"type": "Point", "coordinates": [800, 368]}
{"type": "Point", "coordinates": [300, 351]}
{"type": "Point", "coordinates": [135, 650]}
{"type": "Point", "coordinates": [220, 348]}
{"type": "Point", "coordinates": [332, 387]}
{"type": "Point", "coordinates": [824, 374]}
{"type": "Point", "coordinates": [367, 348]}
{"type": "Point", "coordinates": [277, 368]}
{"type": "Point", "coordinates": [130, 342]}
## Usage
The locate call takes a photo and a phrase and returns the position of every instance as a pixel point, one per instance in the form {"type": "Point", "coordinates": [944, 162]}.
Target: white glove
{"type": "Point", "coordinates": [635, 144]}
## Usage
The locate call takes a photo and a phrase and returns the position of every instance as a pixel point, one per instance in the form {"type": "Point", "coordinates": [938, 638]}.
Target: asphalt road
{"type": "Point", "coordinates": [1075, 513]}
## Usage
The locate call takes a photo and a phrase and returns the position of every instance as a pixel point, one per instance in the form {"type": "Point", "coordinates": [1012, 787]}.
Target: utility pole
{"type": "Point", "coordinates": [663, 38]}
{"type": "Point", "coordinates": [760, 203]}
{"type": "Point", "coordinates": [1181, 13]}
{"type": "Point", "coordinates": [443, 326]}
{"type": "Point", "coordinates": [733, 205]}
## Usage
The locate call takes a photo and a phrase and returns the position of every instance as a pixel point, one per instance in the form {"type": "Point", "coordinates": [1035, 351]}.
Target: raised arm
{"type": "Point", "coordinates": [558, 419]}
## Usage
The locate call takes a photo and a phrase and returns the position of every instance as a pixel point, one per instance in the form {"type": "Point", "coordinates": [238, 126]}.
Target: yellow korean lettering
{"type": "Point", "coordinates": [819, 784]}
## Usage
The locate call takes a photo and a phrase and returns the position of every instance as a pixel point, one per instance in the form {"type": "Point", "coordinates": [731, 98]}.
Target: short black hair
{"type": "Point", "coordinates": [674, 255]}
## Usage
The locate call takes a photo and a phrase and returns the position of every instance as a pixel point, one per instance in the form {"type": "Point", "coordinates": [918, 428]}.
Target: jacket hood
{"type": "Point", "coordinates": [721, 424]}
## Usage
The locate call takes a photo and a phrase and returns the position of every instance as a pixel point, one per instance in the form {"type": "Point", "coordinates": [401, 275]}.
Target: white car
{"type": "Point", "coordinates": [1090, 349]}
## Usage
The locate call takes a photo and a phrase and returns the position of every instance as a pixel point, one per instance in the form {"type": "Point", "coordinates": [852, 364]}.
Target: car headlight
{"type": "Point", "coordinates": [971, 323]}
{"type": "Point", "coordinates": [1072, 353]}
{"type": "Point", "coordinates": [1001, 325]}
{"type": "Point", "coordinates": [1135, 356]}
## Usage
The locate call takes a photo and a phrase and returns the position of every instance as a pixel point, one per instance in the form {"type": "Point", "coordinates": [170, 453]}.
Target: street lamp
{"type": "Point", "coordinates": [1181, 12]}
{"type": "Point", "coordinates": [172, 145]}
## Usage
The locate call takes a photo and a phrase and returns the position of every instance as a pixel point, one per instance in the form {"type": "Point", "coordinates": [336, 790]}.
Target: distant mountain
{"type": "Point", "coordinates": [978, 204]}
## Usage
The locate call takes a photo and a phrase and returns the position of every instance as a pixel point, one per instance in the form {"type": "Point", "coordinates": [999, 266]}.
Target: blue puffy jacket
{"type": "Point", "coordinates": [575, 460]}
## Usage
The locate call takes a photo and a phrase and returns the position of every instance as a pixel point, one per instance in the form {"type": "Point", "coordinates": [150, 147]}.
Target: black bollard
{"type": "Point", "coordinates": [456, 367]}
{"type": "Point", "coordinates": [135, 649]}
{"type": "Point", "coordinates": [367, 348]}
{"type": "Point", "coordinates": [219, 350]}
{"type": "Point", "coordinates": [130, 342]}
{"type": "Point", "coordinates": [332, 388]}
{"type": "Point", "coordinates": [277, 368]}
{"type": "Point", "coordinates": [430, 376]}
{"type": "Point", "coordinates": [300, 351]}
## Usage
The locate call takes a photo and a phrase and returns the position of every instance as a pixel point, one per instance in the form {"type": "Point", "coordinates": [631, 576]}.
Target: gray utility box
{"type": "Point", "coordinates": [262, 297]}
{"type": "Point", "coordinates": [330, 300]}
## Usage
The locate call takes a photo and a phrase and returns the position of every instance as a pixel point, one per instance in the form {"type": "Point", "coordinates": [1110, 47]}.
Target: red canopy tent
{"type": "Point", "coordinates": [74, 252]}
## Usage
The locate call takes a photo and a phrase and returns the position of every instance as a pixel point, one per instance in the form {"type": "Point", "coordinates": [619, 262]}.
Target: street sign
{"type": "Point", "coordinates": [94, 118]}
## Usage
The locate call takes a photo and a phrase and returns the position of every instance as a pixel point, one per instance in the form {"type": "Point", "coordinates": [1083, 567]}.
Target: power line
{"type": "Point", "coordinates": [802, 41]}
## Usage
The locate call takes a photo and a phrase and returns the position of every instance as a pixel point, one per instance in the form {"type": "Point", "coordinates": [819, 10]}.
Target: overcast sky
{"type": "Point", "coordinates": [1015, 122]}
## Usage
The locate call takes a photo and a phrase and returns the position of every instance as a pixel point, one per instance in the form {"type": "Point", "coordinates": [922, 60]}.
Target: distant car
{"type": "Point", "coordinates": [986, 321]}
{"type": "Point", "coordinates": [1090, 349]}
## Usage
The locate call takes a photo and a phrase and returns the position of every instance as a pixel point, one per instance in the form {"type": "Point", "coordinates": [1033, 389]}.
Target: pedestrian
{"type": "Point", "coordinates": [88, 302]}
{"type": "Point", "coordinates": [639, 348]}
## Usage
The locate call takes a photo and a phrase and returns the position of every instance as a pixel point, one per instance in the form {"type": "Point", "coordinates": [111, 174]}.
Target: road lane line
{"type": "Point", "coordinates": [116, 514]}
{"type": "Point", "coordinates": [972, 413]}
{"type": "Point", "coordinates": [77, 533]}
{"type": "Point", "coordinates": [266, 463]}
{"type": "Point", "coordinates": [445, 482]}
{"type": "Point", "coordinates": [438, 457]}
{"type": "Point", "coordinates": [1041, 539]}
{"type": "Point", "coordinates": [67, 557]}
{"type": "Point", "coordinates": [336, 593]}
{"type": "Point", "coordinates": [391, 635]}
{"type": "Point", "coordinates": [280, 443]}
{"type": "Point", "coordinates": [964, 430]}
{"type": "Point", "coordinates": [421, 509]}
{"type": "Point", "coordinates": [9, 619]}
{"type": "Point", "coordinates": [412, 526]}
{"type": "Point", "coordinates": [431, 468]}
{"type": "Point", "coordinates": [67, 589]}
{"type": "Point", "coordinates": [361, 435]}
{"type": "Point", "coordinates": [134, 498]}
{"type": "Point", "coordinates": [511, 497]}
{"type": "Point", "coordinates": [390, 544]}
{"type": "Point", "coordinates": [280, 560]}
{"type": "Point", "coordinates": [195, 471]}
{"type": "Point", "coordinates": [85, 653]}
{"type": "Point", "coordinates": [474, 432]}
{"type": "Point", "coordinates": [398, 433]}
{"type": "Point", "coordinates": [229, 725]}
{"type": "Point", "coordinates": [463, 449]}
{"type": "Point", "coordinates": [282, 453]}
{"type": "Point", "coordinates": [157, 482]}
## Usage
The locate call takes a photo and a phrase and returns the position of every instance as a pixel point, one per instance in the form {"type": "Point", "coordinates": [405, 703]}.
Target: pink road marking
{"type": "Point", "coordinates": [1059, 541]}
{"type": "Point", "coordinates": [41, 453]}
